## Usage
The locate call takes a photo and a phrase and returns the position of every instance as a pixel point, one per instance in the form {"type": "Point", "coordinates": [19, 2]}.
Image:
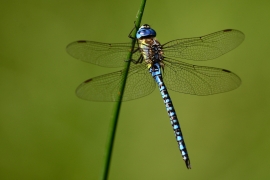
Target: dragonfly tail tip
{"type": "Point", "coordinates": [188, 163]}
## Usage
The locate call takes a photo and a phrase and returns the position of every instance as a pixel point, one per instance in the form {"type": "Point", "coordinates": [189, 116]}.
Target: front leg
{"type": "Point", "coordinates": [140, 59]}
{"type": "Point", "coordinates": [129, 35]}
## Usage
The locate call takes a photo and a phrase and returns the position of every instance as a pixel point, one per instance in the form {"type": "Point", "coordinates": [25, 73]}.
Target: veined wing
{"type": "Point", "coordinates": [205, 47]}
{"type": "Point", "coordinates": [198, 80]}
{"type": "Point", "coordinates": [102, 54]}
{"type": "Point", "coordinates": [106, 87]}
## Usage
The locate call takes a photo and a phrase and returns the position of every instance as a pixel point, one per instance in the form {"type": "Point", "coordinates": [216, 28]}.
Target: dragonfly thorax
{"type": "Point", "coordinates": [151, 51]}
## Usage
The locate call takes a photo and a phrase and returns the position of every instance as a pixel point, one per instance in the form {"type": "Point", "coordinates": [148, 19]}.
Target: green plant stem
{"type": "Point", "coordinates": [113, 125]}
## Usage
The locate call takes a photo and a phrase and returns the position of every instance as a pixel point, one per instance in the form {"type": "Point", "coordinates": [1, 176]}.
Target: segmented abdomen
{"type": "Point", "coordinates": [156, 73]}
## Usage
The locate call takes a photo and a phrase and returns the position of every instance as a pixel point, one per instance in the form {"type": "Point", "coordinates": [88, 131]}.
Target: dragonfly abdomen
{"type": "Point", "coordinates": [156, 73]}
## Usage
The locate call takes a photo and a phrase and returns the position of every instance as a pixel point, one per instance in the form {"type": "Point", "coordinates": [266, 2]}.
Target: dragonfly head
{"type": "Point", "coordinates": [145, 31]}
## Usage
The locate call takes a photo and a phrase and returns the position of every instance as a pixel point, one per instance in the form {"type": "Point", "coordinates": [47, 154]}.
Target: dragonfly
{"type": "Point", "coordinates": [154, 63]}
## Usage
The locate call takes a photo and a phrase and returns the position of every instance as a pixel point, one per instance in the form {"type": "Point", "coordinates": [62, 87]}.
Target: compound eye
{"type": "Point", "coordinates": [142, 32]}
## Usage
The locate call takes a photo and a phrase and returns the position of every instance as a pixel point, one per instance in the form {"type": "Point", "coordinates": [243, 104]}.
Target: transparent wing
{"type": "Point", "coordinates": [198, 80]}
{"type": "Point", "coordinates": [102, 54]}
{"type": "Point", "coordinates": [205, 47]}
{"type": "Point", "coordinates": [106, 87]}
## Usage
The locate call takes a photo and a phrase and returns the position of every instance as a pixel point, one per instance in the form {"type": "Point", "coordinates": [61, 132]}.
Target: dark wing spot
{"type": "Point", "coordinates": [81, 41]}
{"type": "Point", "coordinates": [225, 70]}
{"type": "Point", "coordinates": [88, 80]}
{"type": "Point", "coordinates": [201, 39]}
{"type": "Point", "coordinates": [227, 30]}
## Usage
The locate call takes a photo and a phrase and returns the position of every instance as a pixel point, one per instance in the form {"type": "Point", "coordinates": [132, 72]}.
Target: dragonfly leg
{"type": "Point", "coordinates": [129, 35]}
{"type": "Point", "coordinates": [140, 59]}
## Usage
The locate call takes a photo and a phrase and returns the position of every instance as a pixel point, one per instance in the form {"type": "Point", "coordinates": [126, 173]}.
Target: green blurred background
{"type": "Point", "coordinates": [48, 133]}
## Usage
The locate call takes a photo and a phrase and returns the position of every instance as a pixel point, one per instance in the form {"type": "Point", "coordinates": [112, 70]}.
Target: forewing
{"type": "Point", "coordinates": [205, 47]}
{"type": "Point", "coordinates": [102, 54]}
{"type": "Point", "coordinates": [198, 80]}
{"type": "Point", "coordinates": [106, 87]}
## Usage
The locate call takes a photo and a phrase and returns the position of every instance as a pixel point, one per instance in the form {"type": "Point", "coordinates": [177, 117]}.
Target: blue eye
{"type": "Point", "coordinates": [143, 32]}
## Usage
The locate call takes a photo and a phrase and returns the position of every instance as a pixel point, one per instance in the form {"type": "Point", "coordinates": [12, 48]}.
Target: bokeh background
{"type": "Point", "coordinates": [46, 132]}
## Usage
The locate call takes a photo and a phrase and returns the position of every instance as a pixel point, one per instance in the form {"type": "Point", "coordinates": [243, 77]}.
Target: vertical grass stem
{"type": "Point", "coordinates": [113, 125]}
